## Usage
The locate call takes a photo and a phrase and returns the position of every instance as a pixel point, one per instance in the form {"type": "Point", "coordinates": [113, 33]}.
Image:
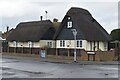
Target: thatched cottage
{"type": "Point", "coordinates": [90, 36]}
{"type": "Point", "coordinates": [37, 34]}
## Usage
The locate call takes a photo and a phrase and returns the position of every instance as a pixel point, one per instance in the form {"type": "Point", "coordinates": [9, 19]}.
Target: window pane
{"type": "Point", "coordinates": [60, 43]}
{"type": "Point", "coordinates": [50, 44]}
{"type": "Point", "coordinates": [80, 43]}
{"type": "Point", "coordinates": [77, 43]}
{"type": "Point", "coordinates": [63, 43]}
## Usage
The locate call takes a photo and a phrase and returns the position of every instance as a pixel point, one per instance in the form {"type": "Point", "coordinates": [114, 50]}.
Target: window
{"type": "Point", "coordinates": [79, 43]}
{"type": "Point", "coordinates": [68, 18]}
{"type": "Point", "coordinates": [14, 44]}
{"type": "Point", "coordinates": [69, 24]}
{"type": "Point", "coordinates": [94, 46]}
{"type": "Point", "coordinates": [62, 43]}
{"type": "Point", "coordinates": [30, 44]}
{"type": "Point", "coordinates": [49, 44]}
{"type": "Point", "coordinates": [91, 45]}
{"type": "Point", "coordinates": [97, 44]}
{"type": "Point", "coordinates": [105, 45]}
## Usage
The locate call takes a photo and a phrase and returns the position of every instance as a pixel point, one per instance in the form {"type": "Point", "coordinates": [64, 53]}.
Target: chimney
{"type": "Point", "coordinates": [7, 28]}
{"type": "Point", "coordinates": [55, 20]}
{"type": "Point", "coordinates": [41, 18]}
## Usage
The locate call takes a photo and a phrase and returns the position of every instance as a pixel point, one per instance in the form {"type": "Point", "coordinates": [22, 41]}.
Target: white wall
{"type": "Point", "coordinates": [85, 45]}
{"type": "Point", "coordinates": [10, 44]}
{"type": "Point", "coordinates": [41, 43]}
{"type": "Point", "coordinates": [71, 44]}
{"type": "Point", "coordinates": [101, 46]}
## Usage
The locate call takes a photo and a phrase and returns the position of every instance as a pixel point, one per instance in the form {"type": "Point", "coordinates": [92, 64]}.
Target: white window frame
{"type": "Point", "coordinates": [79, 43]}
{"type": "Point", "coordinates": [62, 43]}
{"type": "Point", "coordinates": [91, 46]}
{"type": "Point", "coordinates": [49, 44]}
{"type": "Point", "coordinates": [69, 24]}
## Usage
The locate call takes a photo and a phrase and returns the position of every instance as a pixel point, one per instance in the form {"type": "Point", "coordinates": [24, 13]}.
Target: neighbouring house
{"type": "Point", "coordinates": [34, 34]}
{"type": "Point", "coordinates": [1, 41]}
{"type": "Point", "coordinates": [7, 33]}
{"type": "Point", "coordinates": [91, 36]}
{"type": "Point", "coordinates": [4, 36]}
{"type": "Point", "coordinates": [0, 35]}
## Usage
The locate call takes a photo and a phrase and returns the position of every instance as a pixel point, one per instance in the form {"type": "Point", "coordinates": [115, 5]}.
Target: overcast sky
{"type": "Point", "coordinates": [13, 12]}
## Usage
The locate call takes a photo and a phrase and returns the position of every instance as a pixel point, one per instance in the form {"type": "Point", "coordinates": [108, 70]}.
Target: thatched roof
{"type": "Point", "coordinates": [33, 31]}
{"type": "Point", "coordinates": [56, 25]}
{"type": "Point", "coordinates": [7, 33]}
{"type": "Point", "coordinates": [87, 27]}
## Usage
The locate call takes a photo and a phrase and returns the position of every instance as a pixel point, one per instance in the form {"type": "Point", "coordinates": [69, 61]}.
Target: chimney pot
{"type": "Point", "coordinates": [7, 28]}
{"type": "Point", "coordinates": [41, 18]}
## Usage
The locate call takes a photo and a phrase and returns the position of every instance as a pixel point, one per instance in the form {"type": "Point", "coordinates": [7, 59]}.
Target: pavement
{"type": "Point", "coordinates": [61, 61]}
{"type": "Point", "coordinates": [35, 67]}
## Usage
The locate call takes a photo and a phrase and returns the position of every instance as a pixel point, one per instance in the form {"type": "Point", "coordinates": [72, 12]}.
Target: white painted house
{"type": "Point", "coordinates": [90, 36]}
{"type": "Point", "coordinates": [36, 34]}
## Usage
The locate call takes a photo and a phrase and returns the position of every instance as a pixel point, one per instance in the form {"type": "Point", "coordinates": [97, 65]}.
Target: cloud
{"type": "Point", "coordinates": [14, 8]}
{"type": "Point", "coordinates": [106, 13]}
{"type": "Point", "coordinates": [10, 9]}
{"type": "Point", "coordinates": [15, 11]}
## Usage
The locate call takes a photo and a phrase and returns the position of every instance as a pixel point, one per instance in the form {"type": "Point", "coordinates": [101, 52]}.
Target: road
{"type": "Point", "coordinates": [14, 67]}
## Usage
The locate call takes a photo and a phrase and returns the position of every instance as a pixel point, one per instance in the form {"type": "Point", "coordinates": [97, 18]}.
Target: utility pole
{"type": "Point", "coordinates": [74, 34]}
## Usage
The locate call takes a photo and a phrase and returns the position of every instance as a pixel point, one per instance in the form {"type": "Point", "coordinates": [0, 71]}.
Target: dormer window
{"type": "Point", "coordinates": [69, 24]}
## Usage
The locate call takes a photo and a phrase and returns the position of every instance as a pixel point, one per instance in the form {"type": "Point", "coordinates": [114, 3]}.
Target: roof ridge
{"type": "Point", "coordinates": [35, 21]}
{"type": "Point", "coordinates": [77, 10]}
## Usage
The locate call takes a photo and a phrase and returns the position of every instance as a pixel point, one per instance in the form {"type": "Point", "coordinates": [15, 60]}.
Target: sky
{"type": "Point", "coordinates": [12, 12]}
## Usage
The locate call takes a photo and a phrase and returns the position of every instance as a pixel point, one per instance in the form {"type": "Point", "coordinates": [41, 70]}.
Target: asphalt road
{"type": "Point", "coordinates": [14, 67]}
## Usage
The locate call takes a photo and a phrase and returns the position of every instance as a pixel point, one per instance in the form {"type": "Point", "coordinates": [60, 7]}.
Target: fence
{"type": "Point", "coordinates": [68, 53]}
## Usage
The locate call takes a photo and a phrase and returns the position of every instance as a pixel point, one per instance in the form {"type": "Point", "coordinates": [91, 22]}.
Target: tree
{"type": "Point", "coordinates": [115, 34]}
{"type": "Point", "coordinates": [55, 20]}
